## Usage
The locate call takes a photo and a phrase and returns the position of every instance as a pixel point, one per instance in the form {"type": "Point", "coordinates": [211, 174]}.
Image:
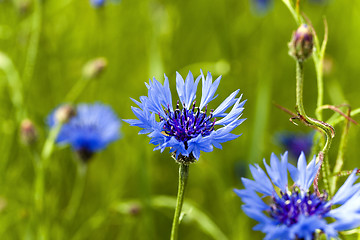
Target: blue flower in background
{"type": "Point", "coordinates": [97, 3]}
{"type": "Point", "coordinates": [261, 7]}
{"type": "Point", "coordinates": [296, 143]}
{"type": "Point", "coordinates": [100, 3]}
{"type": "Point", "coordinates": [187, 129]}
{"type": "Point", "coordinates": [92, 128]}
{"type": "Point", "coordinates": [297, 213]}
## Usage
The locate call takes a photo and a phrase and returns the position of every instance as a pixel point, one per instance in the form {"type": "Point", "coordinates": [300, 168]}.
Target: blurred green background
{"type": "Point", "coordinates": [50, 41]}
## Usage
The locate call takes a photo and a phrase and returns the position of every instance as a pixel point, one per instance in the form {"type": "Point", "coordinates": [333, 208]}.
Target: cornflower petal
{"type": "Point", "coordinates": [347, 190]}
{"type": "Point", "coordinates": [208, 89]}
{"type": "Point", "coordinates": [252, 199]}
{"type": "Point", "coordinates": [256, 214]}
{"type": "Point", "coordinates": [265, 187]}
{"type": "Point", "coordinates": [304, 175]}
{"type": "Point", "coordinates": [278, 171]}
{"type": "Point", "coordinates": [228, 102]}
{"type": "Point", "coordinates": [199, 144]}
{"type": "Point", "coordinates": [233, 114]}
{"type": "Point", "coordinates": [159, 97]}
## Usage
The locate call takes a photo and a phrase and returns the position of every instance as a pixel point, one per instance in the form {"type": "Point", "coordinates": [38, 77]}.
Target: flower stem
{"type": "Point", "coordinates": [33, 47]}
{"type": "Point", "coordinates": [40, 179]}
{"type": "Point", "coordinates": [77, 192]}
{"type": "Point", "coordinates": [324, 127]}
{"type": "Point", "coordinates": [76, 90]}
{"type": "Point", "coordinates": [183, 176]}
{"type": "Point", "coordinates": [320, 86]}
{"type": "Point", "coordinates": [340, 157]}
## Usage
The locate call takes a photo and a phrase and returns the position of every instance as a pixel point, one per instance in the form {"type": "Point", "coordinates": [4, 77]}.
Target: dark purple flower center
{"type": "Point", "coordinates": [186, 124]}
{"type": "Point", "coordinates": [290, 206]}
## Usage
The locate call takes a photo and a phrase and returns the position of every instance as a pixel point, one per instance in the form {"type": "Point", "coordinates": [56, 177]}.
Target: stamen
{"type": "Point", "coordinates": [292, 205]}
{"type": "Point", "coordinates": [186, 124]}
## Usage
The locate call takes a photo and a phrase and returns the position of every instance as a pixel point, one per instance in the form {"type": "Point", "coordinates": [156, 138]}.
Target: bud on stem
{"type": "Point", "coordinates": [94, 68]}
{"type": "Point", "coordinates": [302, 43]}
{"type": "Point", "coordinates": [64, 113]}
{"type": "Point", "coordinates": [28, 133]}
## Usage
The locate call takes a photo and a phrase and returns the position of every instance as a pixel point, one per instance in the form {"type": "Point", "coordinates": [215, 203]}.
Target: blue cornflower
{"type": "Point", "coordinates": [295, 143]}
{"type": "Point", "coordinates": [100, 3]}
{"type": "Point", "coordinates": [187, 129]}
{"type": "Point", "coordinates": [295, 212]}
{"type": "Point", "coordinates": [260, 7]}
{"type": "Point", "coordinates": [97, 3]}
{"type": "Point", "coordinates": [92, 128]}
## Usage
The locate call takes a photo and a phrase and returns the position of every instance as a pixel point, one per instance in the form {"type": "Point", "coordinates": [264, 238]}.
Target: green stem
{"type": "Point", "coordinates": [40, 179]}
{"type": "Point", "coordinates": [15, 85]}
{"type": "Point", "coordinates": [327, 129]}
{"type": "Point", "coordinates": [295, 15]}
{"type": "Point", "coordinates": [50, 142]}
{"type": "Point", "coordinates": [77, 192]}
{"type": "Point", "coordinates": [334, 121]}
{"type": "Point", "coordinates": [320, 87]}
{"type": "Point", "coordinates": [340, 157]}
{"type": "Point", "coordinates": [76, 90]}
{"type": "Point", "coordinates": [183, 176]}
{"type": "Point", "coordinates": [33, 42]}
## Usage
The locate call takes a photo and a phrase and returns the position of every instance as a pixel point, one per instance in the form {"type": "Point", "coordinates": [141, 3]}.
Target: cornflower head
{"type": "Point", "coordinates": [90, 130]}
{"type": "Point", "coordinates": [188, 128]}
{"type": "Point", "coordinates": [292, 211]}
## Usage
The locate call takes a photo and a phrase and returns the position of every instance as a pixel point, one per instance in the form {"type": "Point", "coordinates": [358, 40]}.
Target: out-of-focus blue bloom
{"type": "Point", "coordinates": [187, 129]}
{"type": "Point", "coordinates": [297, 213]}
{"type": "Point", "coordinates": [92, 128]}
{"type": "Point", "coordinates": [296, 143]}
{"type": "Point", "coordinates": [97, 3]}
{"type": "Point", "coordinates": [100, 3]}
{"type": "Point", "coordinates": [260, 7]}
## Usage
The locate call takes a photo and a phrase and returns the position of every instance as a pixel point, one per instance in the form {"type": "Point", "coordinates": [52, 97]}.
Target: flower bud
{"type": "Point", "coordinates": [94, 68]}
{"type": "Point", "coordinates": [301, 45]}
{"type": "Point", "coordinates": [64, 113]}
{"type": "Point", "coordinates": [28, 133]}
{"type": "Point", "coordinates": [23, 6]}
{"type": "Point", "coordinates": [134, 209]}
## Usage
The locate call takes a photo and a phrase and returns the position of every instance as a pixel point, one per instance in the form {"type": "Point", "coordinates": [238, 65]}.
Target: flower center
{"type": "Point", "coordinates": [292, 205]}
{"type": "Point", "coordinates": [186, 124]}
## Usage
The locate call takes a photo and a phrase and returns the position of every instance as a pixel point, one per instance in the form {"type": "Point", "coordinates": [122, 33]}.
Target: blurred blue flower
{"type": "Point", "coordinates": [100, 3]}
{"type": "Point", "coordinates": [97, 3]}
{"type": "Point", "coordinates": [92, 128]}
{"type": "Point", "coordinates": [192, 129]}
{"type": "Point", "coordinates": [296, 143]}
{"type": "Point", "coordinates": [297, 213]}
{"type": "Point", "coordinates": [261, 7]}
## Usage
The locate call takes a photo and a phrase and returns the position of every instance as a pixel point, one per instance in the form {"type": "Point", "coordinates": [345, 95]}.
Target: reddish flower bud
{"type": "Point", "coordinates": [301, 45]}
{"type": "Point", "coordinates": [28, 133]}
